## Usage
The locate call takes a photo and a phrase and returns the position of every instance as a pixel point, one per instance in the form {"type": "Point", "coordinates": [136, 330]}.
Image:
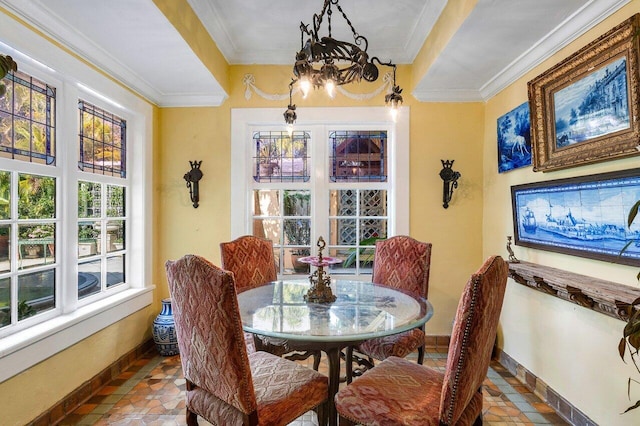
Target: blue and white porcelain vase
{"type": "Point", "coordinates": [164, 331]}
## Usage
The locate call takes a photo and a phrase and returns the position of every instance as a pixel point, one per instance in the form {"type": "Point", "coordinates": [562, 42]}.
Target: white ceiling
{"type": "Point", "coordinates": [132, 39]}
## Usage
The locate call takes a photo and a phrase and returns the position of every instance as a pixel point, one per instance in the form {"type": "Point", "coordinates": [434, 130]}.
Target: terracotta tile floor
{"type": "Point", "coordinates": [151, 392]}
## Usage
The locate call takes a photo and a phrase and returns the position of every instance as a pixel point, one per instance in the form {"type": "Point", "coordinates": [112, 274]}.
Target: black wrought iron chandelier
{"type": "Point", "coordinates": [327, 62]}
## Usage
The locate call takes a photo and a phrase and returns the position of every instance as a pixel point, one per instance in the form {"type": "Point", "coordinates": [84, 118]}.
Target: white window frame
{"type": "Point", "coordinates": [74, 79]}
{"type": "Point", "coordinates": [244, 121]}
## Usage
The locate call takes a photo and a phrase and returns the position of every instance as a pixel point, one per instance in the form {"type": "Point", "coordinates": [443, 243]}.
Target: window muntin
{"type": "Point", "coordinates": [279, 157]}
{"type": "Point", "coordinates": [29, 279]}
{"type": "Point", "coordinates": [101, 237]}
{"type": "Point", "coordinates": [27, 120]}
{"type": "Point", "coordinates": [102, 139]}
{"type": "Point", "coordinates": [284, 217]}
{"type": "Point", "coordinates": [357, 218]}
{"type": "Point", "coordinates": [350, 218]}
{"type": "Point", "coordinates": [358, 156]}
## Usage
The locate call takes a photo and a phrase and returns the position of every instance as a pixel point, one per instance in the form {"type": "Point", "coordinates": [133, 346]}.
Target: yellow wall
{"type": "Point", "coordinates": [438, 131]}
{"type": "Point", "coordinates": [572, 349]}
{"type": "Point", "coordinates": [37, 389]}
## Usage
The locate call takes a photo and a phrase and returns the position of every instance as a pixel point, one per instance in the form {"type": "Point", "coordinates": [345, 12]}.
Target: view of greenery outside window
{"type": "Point", "coordinates": [355, 213]}
{"type": "Point", "coordinates": [284, 216]}
{"type": "Point", "coordinates": [101, 237]}
{"type": "Point", "coordinates": [102, 141]}
{"type": "Point", "coordinates": [101, 205]}
{"type": "Point", "coordinates": [28, 263]}
{"type": "Point", "coordinates": [27, 120]}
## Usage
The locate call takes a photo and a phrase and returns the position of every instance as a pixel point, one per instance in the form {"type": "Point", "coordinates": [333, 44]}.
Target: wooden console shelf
{"type": "Point", "coordinates": [599, 295]}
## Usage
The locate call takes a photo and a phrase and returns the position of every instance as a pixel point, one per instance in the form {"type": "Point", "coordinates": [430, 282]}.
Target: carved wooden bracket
{"type": "Point", "coordinates": [601, 296]}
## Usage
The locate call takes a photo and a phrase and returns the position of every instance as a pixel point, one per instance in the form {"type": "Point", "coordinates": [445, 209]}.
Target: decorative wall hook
{"type": "Point", "coordinates": [193, 177]}
{"type": "Point", "coordinates": [450, 181]}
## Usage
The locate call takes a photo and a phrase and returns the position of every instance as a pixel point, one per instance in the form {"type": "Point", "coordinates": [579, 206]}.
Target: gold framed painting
{"type": "Point", "coordinates": [585, 109]}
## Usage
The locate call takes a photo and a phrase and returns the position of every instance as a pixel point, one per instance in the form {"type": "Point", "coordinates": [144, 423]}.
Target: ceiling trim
{"type": "Point", "coordinates": [191, 100]}
{"type": "Point", "coordinates": [448, 95]}
{"type": "Point", "coordinates": [428, 18]}
{"type": "Point", "coordinates": [573, 27]}
{"type": "Point", "coordinates": [592, 13]}
{"type": "Point", "coordinates": [33, 13]}
{"type": "Point", "coordinates": [210, 18]}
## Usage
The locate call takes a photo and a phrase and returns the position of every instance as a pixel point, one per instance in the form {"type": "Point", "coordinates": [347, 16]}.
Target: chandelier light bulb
{"type": "Point", "coordinates": [330, 86]}
{"type": "Point", "coordinates": [305, 87]}
{"type": "Point", "coordinates": [290, 129]}
{"type": "Point", "coordinates": [394, 113]}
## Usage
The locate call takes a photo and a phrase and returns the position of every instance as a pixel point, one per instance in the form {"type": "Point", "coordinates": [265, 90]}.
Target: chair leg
{"type": "Point", "coordinates": [322, 413]}
{"type": "Point", "coordinates": [478, 420]}
{"type": "Point", "coordinates": [421, 354]}
{"type": "Point", "coordinates": [316, 360]}
{"type": "Point", "coordinates": [348, 363]}
{"type": "Point", "coordinates": [192, 418]}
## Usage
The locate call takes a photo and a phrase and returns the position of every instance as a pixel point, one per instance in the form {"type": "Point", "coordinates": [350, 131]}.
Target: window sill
{"type": "Point", "coordinates": [26, 348]}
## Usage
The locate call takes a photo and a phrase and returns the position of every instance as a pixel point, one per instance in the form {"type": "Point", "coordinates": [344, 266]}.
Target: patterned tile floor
{"type": "Point", "coordinates": [151, 392]}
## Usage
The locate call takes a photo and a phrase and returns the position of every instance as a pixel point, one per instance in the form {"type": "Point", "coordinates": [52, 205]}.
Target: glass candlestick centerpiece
{"type": "Point", "coordinates": [320, 290]}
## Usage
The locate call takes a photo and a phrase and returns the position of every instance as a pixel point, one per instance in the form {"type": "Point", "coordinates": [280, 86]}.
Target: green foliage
{"type": "Point", "coordinates": [37, 197]}
{"type": "Point", "coordinates": [87, 232]}
{"type": "Point", "coordinates": [630, 341]}
{"type": "Point", "coordinates": [366, 253]}
{"type": "Point", "coordinates": [297, 231]}
{"type": "Point", "coordinates": [6, 64]}
{"type": "Point", "coordinates": [25, 310]}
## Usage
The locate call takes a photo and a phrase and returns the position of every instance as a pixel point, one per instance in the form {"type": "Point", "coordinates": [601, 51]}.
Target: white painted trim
{"type": "Point", "coordinates": [591, 14]}
{"type": "Point", "coordinates": [469, 95]}
{"type": "Point", "coordinates": [40, 16]}
{"type": "Point", "coordinates": [244, 118]}
{"type": "Point", "coordinates": [22, 350]}
{"type": "Point", "coordinates": [573, 27]}
{"type": "Point", "coordinates": [35, 55]}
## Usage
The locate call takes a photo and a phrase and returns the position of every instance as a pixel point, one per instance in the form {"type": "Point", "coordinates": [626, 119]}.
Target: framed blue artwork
{"type": "Point", "coordinates": [583, 109]}
{"type": "Point", "coordinates": [584, 216]}
{"type": "Point", "coordinates": [514, 139]}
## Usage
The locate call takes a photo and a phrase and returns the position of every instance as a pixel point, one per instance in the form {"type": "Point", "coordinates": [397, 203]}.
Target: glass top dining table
{"type": "Point", "coordinates": [278, 313]}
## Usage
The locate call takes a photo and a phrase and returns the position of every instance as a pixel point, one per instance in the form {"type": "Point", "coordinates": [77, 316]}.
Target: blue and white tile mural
{"type": "Point", "coordinates": [580, 216]}
{"type": "Point", "coordinates": [514, 139]}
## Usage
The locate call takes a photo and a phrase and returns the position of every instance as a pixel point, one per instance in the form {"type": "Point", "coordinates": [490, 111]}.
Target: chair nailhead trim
{"type": "Point", "coordinates": [465, 340]}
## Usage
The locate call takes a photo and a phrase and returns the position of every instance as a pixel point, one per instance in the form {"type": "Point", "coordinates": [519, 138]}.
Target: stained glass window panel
{"type": "Point", "coordinates": [279, 157]}
{"type": "Point", "coordinates": [358, 156]}
{"type": "Point", "coordinates": [27, 120]}
{"type": "Point", "coordinates": [102, 141]}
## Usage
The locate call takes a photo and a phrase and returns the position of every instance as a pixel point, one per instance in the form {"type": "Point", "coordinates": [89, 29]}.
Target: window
{"type": "Point", "coordinates": [332, 180]}
{"type": "Point", "coordinates": [73, 166]}
{"type": "Point", "coordinates": [101, 206]}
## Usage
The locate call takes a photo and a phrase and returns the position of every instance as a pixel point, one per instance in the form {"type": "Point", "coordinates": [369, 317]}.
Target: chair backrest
{"type": "Point", "coordinates": [250, 259]}
{"type": "Point", "coordinates": [473, 337]}
{"type": "Point", "coordinates": [209, 331]}
{"type": "Point", "coordinates": [403, 262]}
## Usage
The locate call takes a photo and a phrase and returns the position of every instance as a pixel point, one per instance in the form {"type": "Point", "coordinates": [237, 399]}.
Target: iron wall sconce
{"type": "Point", "coordinates": [450, 181]}
{"type": "Point", "coordinates": [192, 177]}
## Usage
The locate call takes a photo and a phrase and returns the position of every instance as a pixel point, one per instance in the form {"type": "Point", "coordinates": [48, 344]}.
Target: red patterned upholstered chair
{"type": "Point", "coordinates": [398, 391]}
{"type": "Point", "coordinates": [401, 262]}
{"type": "Point", "coordinates": [226, 385]}
{"type": "Point", "coordinates": [250, 259]}
{"type": "Point", "coordinates": [252, 262]}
